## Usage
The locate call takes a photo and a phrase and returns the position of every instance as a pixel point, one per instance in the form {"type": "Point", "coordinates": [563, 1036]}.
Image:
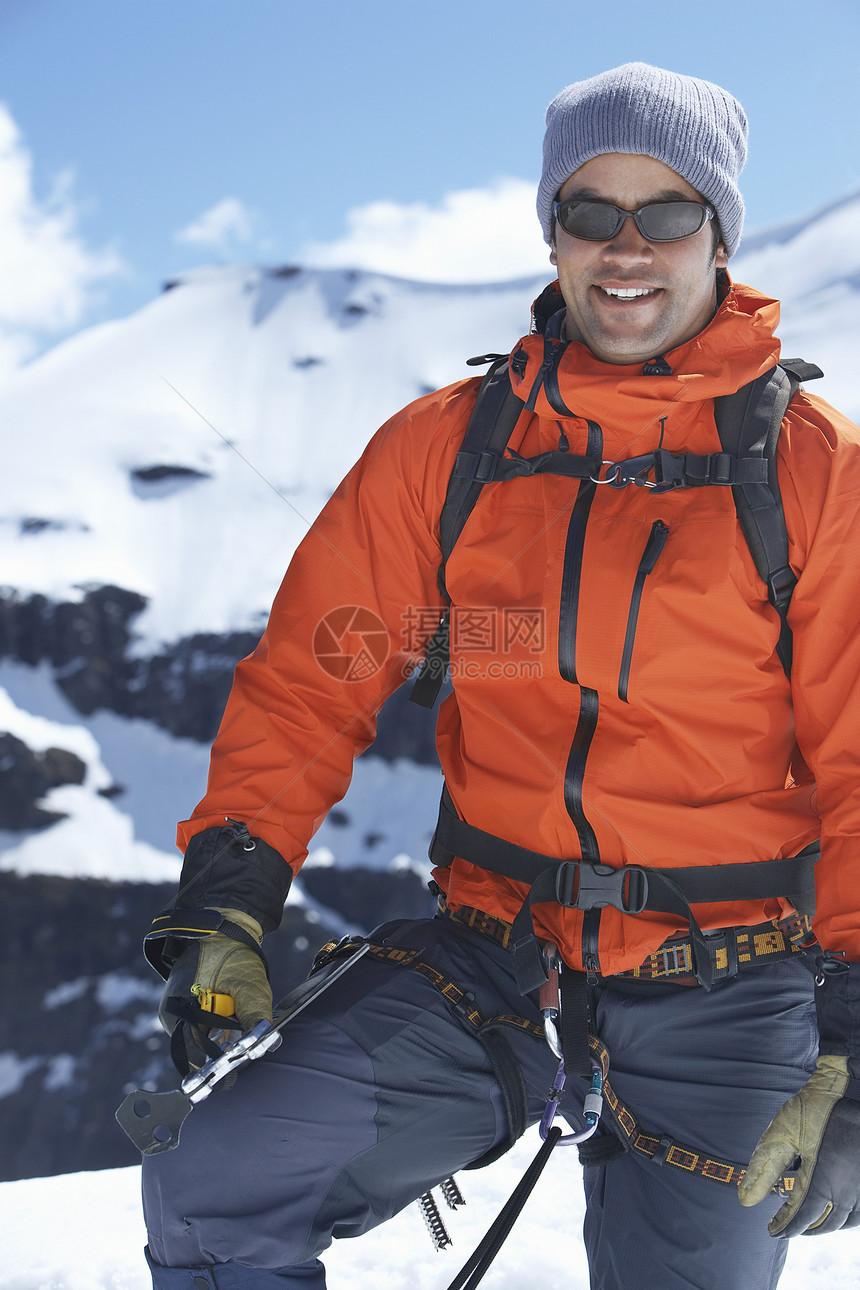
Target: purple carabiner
{"type": "Point", "coordinates": [591, 1107]}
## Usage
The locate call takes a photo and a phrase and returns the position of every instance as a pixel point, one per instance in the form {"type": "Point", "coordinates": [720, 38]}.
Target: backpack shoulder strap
{"type": "Point", "coordinates": [496, 412]}
{"type": "Point", "coordinates": [749, 423]}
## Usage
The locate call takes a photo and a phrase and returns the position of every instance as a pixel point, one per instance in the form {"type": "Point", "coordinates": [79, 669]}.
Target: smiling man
{"type": "Point", "coordinates": [650, 758]}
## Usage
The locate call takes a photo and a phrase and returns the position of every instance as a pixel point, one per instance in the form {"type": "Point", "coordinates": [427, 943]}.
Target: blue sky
{"type": "Point", "coordinates": [154, 135]}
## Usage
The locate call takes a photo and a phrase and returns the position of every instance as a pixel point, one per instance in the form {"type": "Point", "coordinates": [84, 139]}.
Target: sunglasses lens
{"type": "Point", "coordinates": [659, 222]}
{"type": "Point", "coordinates": [670, 221]}
{"type": "Point", "coordinates": [595, 221]}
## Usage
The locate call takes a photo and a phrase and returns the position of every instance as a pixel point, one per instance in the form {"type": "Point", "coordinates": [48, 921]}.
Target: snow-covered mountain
{"type": "Point", "coordinates": [160, 471]}
{"type": "Point", "coordinates": [182, 452]}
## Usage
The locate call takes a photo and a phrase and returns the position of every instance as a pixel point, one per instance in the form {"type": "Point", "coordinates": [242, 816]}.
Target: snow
{"type": "Point", "coordinates": [85, 1232]}
{"type": "Point", "coordinates": [261, 388]}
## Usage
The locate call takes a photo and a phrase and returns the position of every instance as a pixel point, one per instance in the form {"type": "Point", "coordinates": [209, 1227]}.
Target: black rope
{"type": "Point", "coordinates": [476, 1265]}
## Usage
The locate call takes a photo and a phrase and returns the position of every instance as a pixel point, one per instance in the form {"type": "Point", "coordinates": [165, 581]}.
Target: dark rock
{"type": "Point", "coordinates": [26, 776]}
{"type": "Point", "coordinates": [157, 474]}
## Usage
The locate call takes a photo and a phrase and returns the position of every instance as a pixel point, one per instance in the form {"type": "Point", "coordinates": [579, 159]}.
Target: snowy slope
{"type": "Point", "coordinates": [84, 1232]}
{"type": "Point", "coordinates": [812, 264]}
{"type": "Point", "coordinates": [257, 390]}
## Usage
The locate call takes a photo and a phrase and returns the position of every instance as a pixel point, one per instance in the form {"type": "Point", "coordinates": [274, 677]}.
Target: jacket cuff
{"type": "Point", "coordinates": [837, 1001]}
{"type": "Point", "coordinates": [228, 868]}
{"type": "Point", "coordinates": [173, 931]}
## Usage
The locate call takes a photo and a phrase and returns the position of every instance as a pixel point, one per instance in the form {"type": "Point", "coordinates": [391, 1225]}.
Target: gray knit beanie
{"type": "Point", "coordinates": [693, 126]}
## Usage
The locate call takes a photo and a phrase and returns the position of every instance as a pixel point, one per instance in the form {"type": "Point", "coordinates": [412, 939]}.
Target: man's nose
{"type": "Point", "coordinates": [628, 242]}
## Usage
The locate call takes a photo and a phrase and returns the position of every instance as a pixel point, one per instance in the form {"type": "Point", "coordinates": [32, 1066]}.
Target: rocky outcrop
{"type": "Point", "coordinates": [26, 776]}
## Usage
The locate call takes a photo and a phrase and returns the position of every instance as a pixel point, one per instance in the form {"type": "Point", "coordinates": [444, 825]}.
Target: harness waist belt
{"type": "Point", "coordinates": [732, 949]}
{"type": "Point", "coordinates": [578, 884]}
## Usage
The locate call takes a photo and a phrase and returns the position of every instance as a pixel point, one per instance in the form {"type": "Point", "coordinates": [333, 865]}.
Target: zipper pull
{"type": "Point", "coordinates": [653, 547]}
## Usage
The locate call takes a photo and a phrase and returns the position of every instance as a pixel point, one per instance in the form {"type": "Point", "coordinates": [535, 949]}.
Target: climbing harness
{"type": "Point", "coordinates": [578, 884]}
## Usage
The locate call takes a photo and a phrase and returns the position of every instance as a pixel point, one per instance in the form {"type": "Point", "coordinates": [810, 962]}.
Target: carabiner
{"type": "Point", "coordinates": [591, 1107]}
{"type": "Point", "coordinates": [549, 1000]}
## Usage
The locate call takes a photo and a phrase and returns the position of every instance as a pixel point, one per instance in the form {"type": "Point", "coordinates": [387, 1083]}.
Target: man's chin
{"type": "Point", "coordinates": [624, 351]}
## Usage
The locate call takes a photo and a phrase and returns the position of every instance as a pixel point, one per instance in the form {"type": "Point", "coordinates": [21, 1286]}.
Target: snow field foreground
{"type": "Point", "coordinates": [85, 1232]}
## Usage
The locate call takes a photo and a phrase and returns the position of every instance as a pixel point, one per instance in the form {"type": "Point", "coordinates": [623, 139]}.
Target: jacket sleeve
{"type": "Point", "coordinates": [344, 629]}
{"type": "Point", "coordinates": [821, 493]}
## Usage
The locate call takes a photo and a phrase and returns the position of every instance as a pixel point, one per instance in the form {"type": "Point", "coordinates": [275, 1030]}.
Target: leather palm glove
{"type": "Point", "coordinates": [821, 1127]}
{"type": "Point", "coordinates": [206, 944]}
{"type": "Point", "coordinates": [216, 981]}
{"type": "Point", "coordinates": [817, 1132]}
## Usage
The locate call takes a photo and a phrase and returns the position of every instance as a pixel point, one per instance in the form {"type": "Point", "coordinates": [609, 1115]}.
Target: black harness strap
{"type": "Point", "coordinates": [496, 412]}
{"type": "Point", "coordinates": [577, 884]}
{"type": "Point", "coordinates": [749, 422]}
{"type": "Point", "coordinates": [512, 1086]}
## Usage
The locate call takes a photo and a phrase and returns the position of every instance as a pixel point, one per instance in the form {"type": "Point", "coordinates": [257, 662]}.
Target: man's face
{"type": "Point", "coordinates": [677, 279]}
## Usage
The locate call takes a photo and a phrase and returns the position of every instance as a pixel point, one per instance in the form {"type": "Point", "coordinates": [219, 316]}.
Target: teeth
{"type": "Point", "coordinates": [628, 293]}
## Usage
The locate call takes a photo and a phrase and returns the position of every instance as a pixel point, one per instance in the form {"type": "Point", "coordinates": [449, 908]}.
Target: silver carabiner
{"type": "Point", "coordinates": [549, 1000]}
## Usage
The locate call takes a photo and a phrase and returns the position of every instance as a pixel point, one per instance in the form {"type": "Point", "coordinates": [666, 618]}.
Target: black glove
{"type": "Point", "coordinates": [818, 1130]}
{"type": "Point", "coordinates": [207, 944]}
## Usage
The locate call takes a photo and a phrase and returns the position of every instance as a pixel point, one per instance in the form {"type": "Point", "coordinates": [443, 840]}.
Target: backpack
{"type": "Point", "coordinates": [748, 423]}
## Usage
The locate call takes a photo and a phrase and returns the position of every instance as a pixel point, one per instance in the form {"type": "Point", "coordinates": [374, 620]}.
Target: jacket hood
{"type": "Point", "coordinates": [737, 345]}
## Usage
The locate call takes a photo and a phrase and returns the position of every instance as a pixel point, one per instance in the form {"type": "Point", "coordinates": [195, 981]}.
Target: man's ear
{"type": "Point", "coordinates": [721, 259]}
{"type": "Point", "coordinates": [553, 257]}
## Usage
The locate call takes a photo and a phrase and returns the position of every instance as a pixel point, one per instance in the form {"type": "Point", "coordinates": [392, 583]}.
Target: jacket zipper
{"type": "Point", "coordinates": [589, 704]}
{"type": "Point", "coordinates": [650, 556]}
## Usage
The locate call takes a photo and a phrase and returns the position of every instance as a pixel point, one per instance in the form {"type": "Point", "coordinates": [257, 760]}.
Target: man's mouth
{"type": "Point", "coordinates": [628, 293]}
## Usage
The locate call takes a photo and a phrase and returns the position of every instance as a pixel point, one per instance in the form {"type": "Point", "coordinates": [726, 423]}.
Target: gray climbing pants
{"type": "Point", "coordinates": [380, 1090]}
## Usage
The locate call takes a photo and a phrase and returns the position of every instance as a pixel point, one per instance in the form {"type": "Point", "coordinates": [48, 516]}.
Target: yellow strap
{"type": "Point", "coordinates": [209, 1001]}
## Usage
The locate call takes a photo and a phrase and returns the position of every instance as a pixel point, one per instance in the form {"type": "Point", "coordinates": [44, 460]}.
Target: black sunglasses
{"type": "Point", "coordinates": [657, 222]}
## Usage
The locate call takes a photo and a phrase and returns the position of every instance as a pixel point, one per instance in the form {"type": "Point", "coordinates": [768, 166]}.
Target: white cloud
{"type": "Point", "coordinates": [227, 221]}
{"type": "Point", "coordinates": [46, 270]}
{"type": "Point", "coordinates": [476, 235]}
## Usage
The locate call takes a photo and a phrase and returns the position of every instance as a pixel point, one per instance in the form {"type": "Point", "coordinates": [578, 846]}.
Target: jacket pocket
{"type": "Point", "coordinates": [653, 547]}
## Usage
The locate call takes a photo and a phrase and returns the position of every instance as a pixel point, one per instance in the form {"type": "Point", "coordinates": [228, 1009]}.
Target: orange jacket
{"type": "Point", "coordinates": [681, 752]}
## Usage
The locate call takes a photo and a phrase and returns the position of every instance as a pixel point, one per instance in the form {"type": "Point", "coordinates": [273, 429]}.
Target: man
{"type": "Point", "coordinates": [624, 705]}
